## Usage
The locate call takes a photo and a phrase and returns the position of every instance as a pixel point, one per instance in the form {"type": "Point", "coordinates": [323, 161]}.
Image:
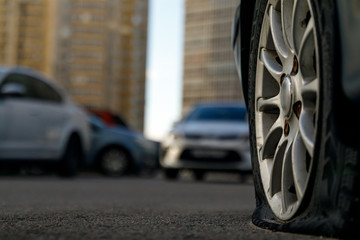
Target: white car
{"type": "Point", "coordinates": [213, 137]}
{"type": "Point", "coordinates": [39, 123]}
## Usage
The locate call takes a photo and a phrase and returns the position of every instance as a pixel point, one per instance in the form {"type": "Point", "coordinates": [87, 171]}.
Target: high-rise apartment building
{"type": "Point", "coordinates": [209, 69]}
{"type": "Point", "coordinates": [24, 33]}
{"type": "Point", "coordinates": [96, 49]}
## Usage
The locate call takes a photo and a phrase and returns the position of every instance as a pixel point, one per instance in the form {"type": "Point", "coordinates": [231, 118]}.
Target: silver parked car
{"type": "Point", "coordinates": [38, 122]}
{"type": "Point", "coordinates": [298, 61]}
{"type": "Point", "coordinates": [212, 137]}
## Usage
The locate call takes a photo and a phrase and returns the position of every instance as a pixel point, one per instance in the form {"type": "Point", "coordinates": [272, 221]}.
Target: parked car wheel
{"type": "Point", "coordinates": [114, 162]}
{"type": "Point", "coordinates": [70, 161]}
{"type": "Point", "coordinates": [171, 174]}
{"type": "Point", "coordinates": [304, 175]}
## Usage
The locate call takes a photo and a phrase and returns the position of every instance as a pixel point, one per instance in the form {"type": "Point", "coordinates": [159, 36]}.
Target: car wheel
{"type": "Point", "coordinates": [114, 162]}
{"type": "Point", "coordinates": [304, 175]}
{"type": "Point", "coordinates": [171, 174]}
{"type": "Point", "coordinates": [70, 161]}
{"type": "Point", "coordinates": [199, 175]}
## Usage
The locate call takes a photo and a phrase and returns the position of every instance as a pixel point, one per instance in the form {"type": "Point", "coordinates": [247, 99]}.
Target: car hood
{"type": "Point", "coordinates": [213, 128]}
{"type": "Point", "coordinates": [123, 131]}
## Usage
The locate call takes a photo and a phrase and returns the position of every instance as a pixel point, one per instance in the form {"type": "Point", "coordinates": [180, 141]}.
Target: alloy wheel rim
{"type": "Point", "coordinates": [114, 162]}
{"type": "Point", "coordinates": [287, 96]}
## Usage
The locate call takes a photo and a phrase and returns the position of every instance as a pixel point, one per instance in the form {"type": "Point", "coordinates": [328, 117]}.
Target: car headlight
{"type": "Point", "coordinates": [176, 136]}
{"type": "Point", "coordinates": [173, 137]}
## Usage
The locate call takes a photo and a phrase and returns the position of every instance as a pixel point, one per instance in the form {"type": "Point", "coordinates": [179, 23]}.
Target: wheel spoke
{"type": "Point", "coordinates": [299, 21]}
{"type": "Point", "coordinates": [272, 139]}
{"type": "Point", "coordinates": [287, 179]}
{"type": "Point", "coordinates": [311, 87]}
{"type": "Point", "coordinates": [276, 32]}
{"type": "Point", "coordinates": [286, 21]}
{"type": "Point", "coordinates": [307, 52]}
{"type": "Point", "coordinates": [269, 105]}
{"type": "Point", "coordinates": [308, 33]}
{"type": "Point", "coordinates": [276, 171]}
{"type": "Point", "coordinates": [309, 93]}
{"type": "Point", "coordinates": [307, 131]}
{"type": "Point", "coordinates": [299, 166]}
{"type": "Point", "coordinates": [293, 22]}
{"type": "Point", "coordinates": [268, 57]}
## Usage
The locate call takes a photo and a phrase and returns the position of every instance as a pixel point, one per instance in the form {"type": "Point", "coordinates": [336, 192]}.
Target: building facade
{"type": "Point", "coordinates": [96, 49]}
{"type": "Point", "coordinates": [209, 68]}
{"type": "Point", "coordinates": [24, 38]}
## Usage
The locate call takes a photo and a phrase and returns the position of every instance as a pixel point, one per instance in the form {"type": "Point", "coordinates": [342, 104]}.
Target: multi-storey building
{"type": "Point", "coordinates": [209, 69]}
{"type": "Point", "coordinates": [24, 37]}
{"type": "Point", "coordinates": [95, 48]}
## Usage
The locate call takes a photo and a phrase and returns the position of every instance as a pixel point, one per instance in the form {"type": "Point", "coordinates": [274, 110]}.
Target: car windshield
{"type": "Point", "coordinates": [217, 114]}
{"type": "Point", "coordinates": [95, 121]}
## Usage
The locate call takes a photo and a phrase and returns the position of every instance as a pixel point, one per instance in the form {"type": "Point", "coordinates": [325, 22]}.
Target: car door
{"type": "Point", "coordinates": [54, 117]}
{"type": "Point", "coordinates": [20, 121]}
{"type": "Point", "coordinates": [4, 120]}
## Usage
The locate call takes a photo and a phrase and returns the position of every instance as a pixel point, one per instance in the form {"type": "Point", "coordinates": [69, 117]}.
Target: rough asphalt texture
{"type": "Point", "coordinates": [92, 207]}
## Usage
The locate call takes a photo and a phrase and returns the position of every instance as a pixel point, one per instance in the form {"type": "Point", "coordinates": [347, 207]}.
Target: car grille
{"type": "Point", "coordinates": [218, 137]}
{"type": "Point", "coordinates": [220, 156]}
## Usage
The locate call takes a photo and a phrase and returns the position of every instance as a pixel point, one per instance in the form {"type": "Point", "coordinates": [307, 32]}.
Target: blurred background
{"type": "Point", "coordinates": [149, 61]}
{"type": "Point", "coordinates": [142, 65]}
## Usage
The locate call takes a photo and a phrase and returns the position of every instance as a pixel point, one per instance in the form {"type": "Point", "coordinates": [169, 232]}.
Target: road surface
{"type": "Point", "coordinates": [94, 207]}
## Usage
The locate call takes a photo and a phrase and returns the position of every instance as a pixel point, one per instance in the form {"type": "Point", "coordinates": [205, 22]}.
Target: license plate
{"type": "Point", "coordinates": [208, 153]}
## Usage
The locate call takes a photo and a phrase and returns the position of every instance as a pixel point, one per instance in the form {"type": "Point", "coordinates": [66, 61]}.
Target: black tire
{"type": "Point", "coordinates": [331, 205]}
{"type": "Point", "coordinates": [69, 163]}
{"type": "Point", "coordinates": [114, 162]}
{"type": "Point", "coordinates": [199, 175]}
{"type": "Point", "coordinates": [171, 174]}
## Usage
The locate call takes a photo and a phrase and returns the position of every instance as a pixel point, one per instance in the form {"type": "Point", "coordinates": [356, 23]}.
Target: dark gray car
{"type": "Point", "coordinates": [117, 150]}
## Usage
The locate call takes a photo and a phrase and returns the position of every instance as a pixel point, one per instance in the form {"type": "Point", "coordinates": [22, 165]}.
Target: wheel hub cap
{"type": "Point", "coordinates": [287, 96]}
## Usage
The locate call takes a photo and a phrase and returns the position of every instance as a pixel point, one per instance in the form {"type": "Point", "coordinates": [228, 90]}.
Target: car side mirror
{"type": "Point", "coordinates": [12, 90]}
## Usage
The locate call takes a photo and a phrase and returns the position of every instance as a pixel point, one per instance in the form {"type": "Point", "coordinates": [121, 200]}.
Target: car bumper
{"type": "Point", "coordinates": [207, 155]}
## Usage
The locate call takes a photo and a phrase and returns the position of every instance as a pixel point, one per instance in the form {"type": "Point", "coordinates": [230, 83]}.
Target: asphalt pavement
{"type": "Point", "coordinates": [96, 207]}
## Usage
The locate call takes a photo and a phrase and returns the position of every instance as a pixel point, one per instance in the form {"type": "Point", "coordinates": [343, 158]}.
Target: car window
{"type": "Point", "coordinates": [44, 92]}
{"type": "Point", "coordinates": [21, 80]}
{"type": "Point", "coordinates": [34, 88]}
{"type": "Point", "coordinates": [217, 114]}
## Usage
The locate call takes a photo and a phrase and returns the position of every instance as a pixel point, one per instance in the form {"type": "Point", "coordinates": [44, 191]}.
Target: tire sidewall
{"type": "Point", "coordinates": [262, 206]}
{"type": "Point", "coordinates": [70, 161]}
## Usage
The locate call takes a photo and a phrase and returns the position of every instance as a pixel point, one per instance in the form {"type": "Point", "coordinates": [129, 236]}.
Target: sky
{"type": "Point", "coordinates": [164, 66]}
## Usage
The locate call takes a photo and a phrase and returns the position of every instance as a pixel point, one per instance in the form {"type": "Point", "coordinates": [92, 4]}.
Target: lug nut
{"type": "Point", "coordinates": [298, 109]}
{"type": "Point", "coordinates": [282, 78]}
{"type": "Point", "coordinates": [286, 128]}
{"type": "Point", "coordinates": [295, 66]}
